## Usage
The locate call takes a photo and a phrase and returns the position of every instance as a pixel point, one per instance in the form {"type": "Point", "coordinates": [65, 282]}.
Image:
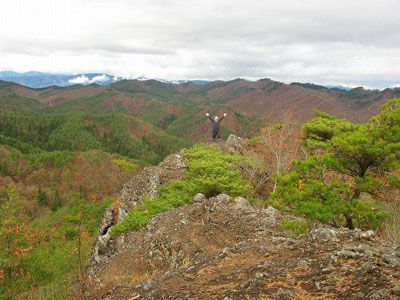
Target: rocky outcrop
{"type": "Point", "coordinates": [143, 184]}
{"type": "Point", "coordinates": [146, 182]}
{"type": "Point", "coordinates": [234, 144]}
{"type": "Point", "coordinates": [224, 248]}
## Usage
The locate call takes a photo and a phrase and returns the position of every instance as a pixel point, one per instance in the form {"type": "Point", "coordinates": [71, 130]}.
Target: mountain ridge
{"type": "Point", "coordinates": [61, 79]}
{"type": "Point", "coordinates": [179, 109]}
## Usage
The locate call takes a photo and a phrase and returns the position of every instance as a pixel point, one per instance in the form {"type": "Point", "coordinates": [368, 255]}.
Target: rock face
{"type": "Point", "coordinates": [146, 182]}
{"type": "Point", "coordinates": [143, 184]}
{"type": "Point", "coordinates": [224, 248]}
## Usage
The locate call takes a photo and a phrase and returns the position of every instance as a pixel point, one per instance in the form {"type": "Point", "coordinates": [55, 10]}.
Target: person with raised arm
{"type": "Point", "coordinates": [216, 126]}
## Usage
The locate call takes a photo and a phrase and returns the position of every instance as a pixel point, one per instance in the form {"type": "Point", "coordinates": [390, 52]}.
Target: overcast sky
{"type": "Point", "coordinates": [347, 42]}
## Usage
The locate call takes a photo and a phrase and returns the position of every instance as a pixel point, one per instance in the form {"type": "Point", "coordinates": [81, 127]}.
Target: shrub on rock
{"type": "Point", "coordinates": [209, 171]}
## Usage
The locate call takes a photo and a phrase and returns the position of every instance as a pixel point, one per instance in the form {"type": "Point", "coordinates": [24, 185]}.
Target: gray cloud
{"type": "Point", "coordinates": [322, 41]}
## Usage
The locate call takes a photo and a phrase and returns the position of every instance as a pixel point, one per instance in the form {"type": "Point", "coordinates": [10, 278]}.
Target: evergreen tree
{"type": "Point", "coordinates": [57, 200]}
{"type": "Point", "coordinates": [83, 192]}
{"type": "Point", "coordinates": [347, 158]}
{"type": "Point", "coordinates": [42, 197]}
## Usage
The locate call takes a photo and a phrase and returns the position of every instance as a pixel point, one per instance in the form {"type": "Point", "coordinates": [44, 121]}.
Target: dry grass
{"type": "Point", "coordinates": [392, 225]}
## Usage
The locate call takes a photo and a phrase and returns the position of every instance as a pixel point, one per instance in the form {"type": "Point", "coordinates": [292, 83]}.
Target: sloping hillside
{"type": "Point", "coordinates": [62, 176]}
{"type": "Point", "coordinates": [49, 201]}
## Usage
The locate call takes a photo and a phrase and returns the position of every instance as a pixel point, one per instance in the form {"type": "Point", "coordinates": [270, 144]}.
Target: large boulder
{"type": "Point", "coordinates": [233, 145]}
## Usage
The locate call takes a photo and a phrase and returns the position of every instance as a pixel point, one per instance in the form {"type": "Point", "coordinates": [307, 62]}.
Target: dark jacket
{"type": "Point", "coordinates": [215, 124]}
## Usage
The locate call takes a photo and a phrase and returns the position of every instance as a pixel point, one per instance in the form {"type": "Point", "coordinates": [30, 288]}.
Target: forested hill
{"type": "Point", "coordinates": [265, 98]}
{"type": "Point", "coordinates": [146, 120]}
{"type": "Point", "coordinates": [178, 109]}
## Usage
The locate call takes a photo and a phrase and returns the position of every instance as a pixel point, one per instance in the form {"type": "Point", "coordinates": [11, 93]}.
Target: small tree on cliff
{"type": "Point", "coordinates": [362, 151]}
{"type": "Point", "coordinates": [347, 160]}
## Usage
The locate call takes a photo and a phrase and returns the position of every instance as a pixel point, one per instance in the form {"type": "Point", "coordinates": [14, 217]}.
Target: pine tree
{"type": "Point", "coordinates": [57, 200]}
{"type": "Point", "coordinates": [42, 197]}
{"type": "Point", "coordinates": [347, 158]}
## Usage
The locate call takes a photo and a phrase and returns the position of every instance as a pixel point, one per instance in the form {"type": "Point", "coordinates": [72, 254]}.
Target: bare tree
{"type": "Point", "coordinates": [79, 287]}
{"type": "Point", "coordinates": [256, 170]}
{"type": "Point", "coordinates": [270, 155]}
{"type": "Point", "coordinates": [282, 142]}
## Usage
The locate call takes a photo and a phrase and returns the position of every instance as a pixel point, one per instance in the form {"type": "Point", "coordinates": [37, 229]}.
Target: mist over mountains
{"type": "Point", "coordinates": [35, 79]}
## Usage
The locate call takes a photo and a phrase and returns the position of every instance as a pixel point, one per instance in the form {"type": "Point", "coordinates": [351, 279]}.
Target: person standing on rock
{"type": "Point", "coordinates": [216, 125]}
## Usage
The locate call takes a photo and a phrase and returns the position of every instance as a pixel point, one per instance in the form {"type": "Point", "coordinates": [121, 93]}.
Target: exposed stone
{"type": "Point", "coordinates": [223, 198]}
{"type": "Point", "coordinates": [218, 250]}
{"type": "Point", "coordinates": [370, 266]}
{"type": "Point", "coordinates": [367, 235]}
{"type": "Point", "coordinates": [233, 144]}
{"type": "Point", "coordinates": [271, 211]}
{"type": "Point", "coordinates": [148, 285]}
{"type": "Point", "coordinates": [260, 275]}
{"type": "Point", "coordinates": [323, 234]}
{"type": "Point", "coordinates": [391, 260]}
{"type": "Point", "coordinates": [283, 294]}
{"type": "Point", "coordinates": [104, 247]}
{"type": "Point", "coordinates": [243, 204]}
{"type": "Point", "coordinates": [348, 268]}
{"type": "Point", "coordinates": [144, 183]}
{"type": "Point", "coordinates": [173, 162]}
{"type": "Point", "coordinates": [108, 220]}
{"type": "Point", "coordinates": [303, 263]}
{"type": "Point", "coordinates": [199, 197]}
{"type": "Point", "coordinates": [347, 254]}
{"type": "Point", "coordinates": [270, 216]}
{"type": "Point", "coordinates": [366, 249]}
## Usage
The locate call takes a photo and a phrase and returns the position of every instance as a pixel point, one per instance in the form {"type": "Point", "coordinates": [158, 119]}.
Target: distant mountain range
{"type": "Point", "coordinates": [34, 79]}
